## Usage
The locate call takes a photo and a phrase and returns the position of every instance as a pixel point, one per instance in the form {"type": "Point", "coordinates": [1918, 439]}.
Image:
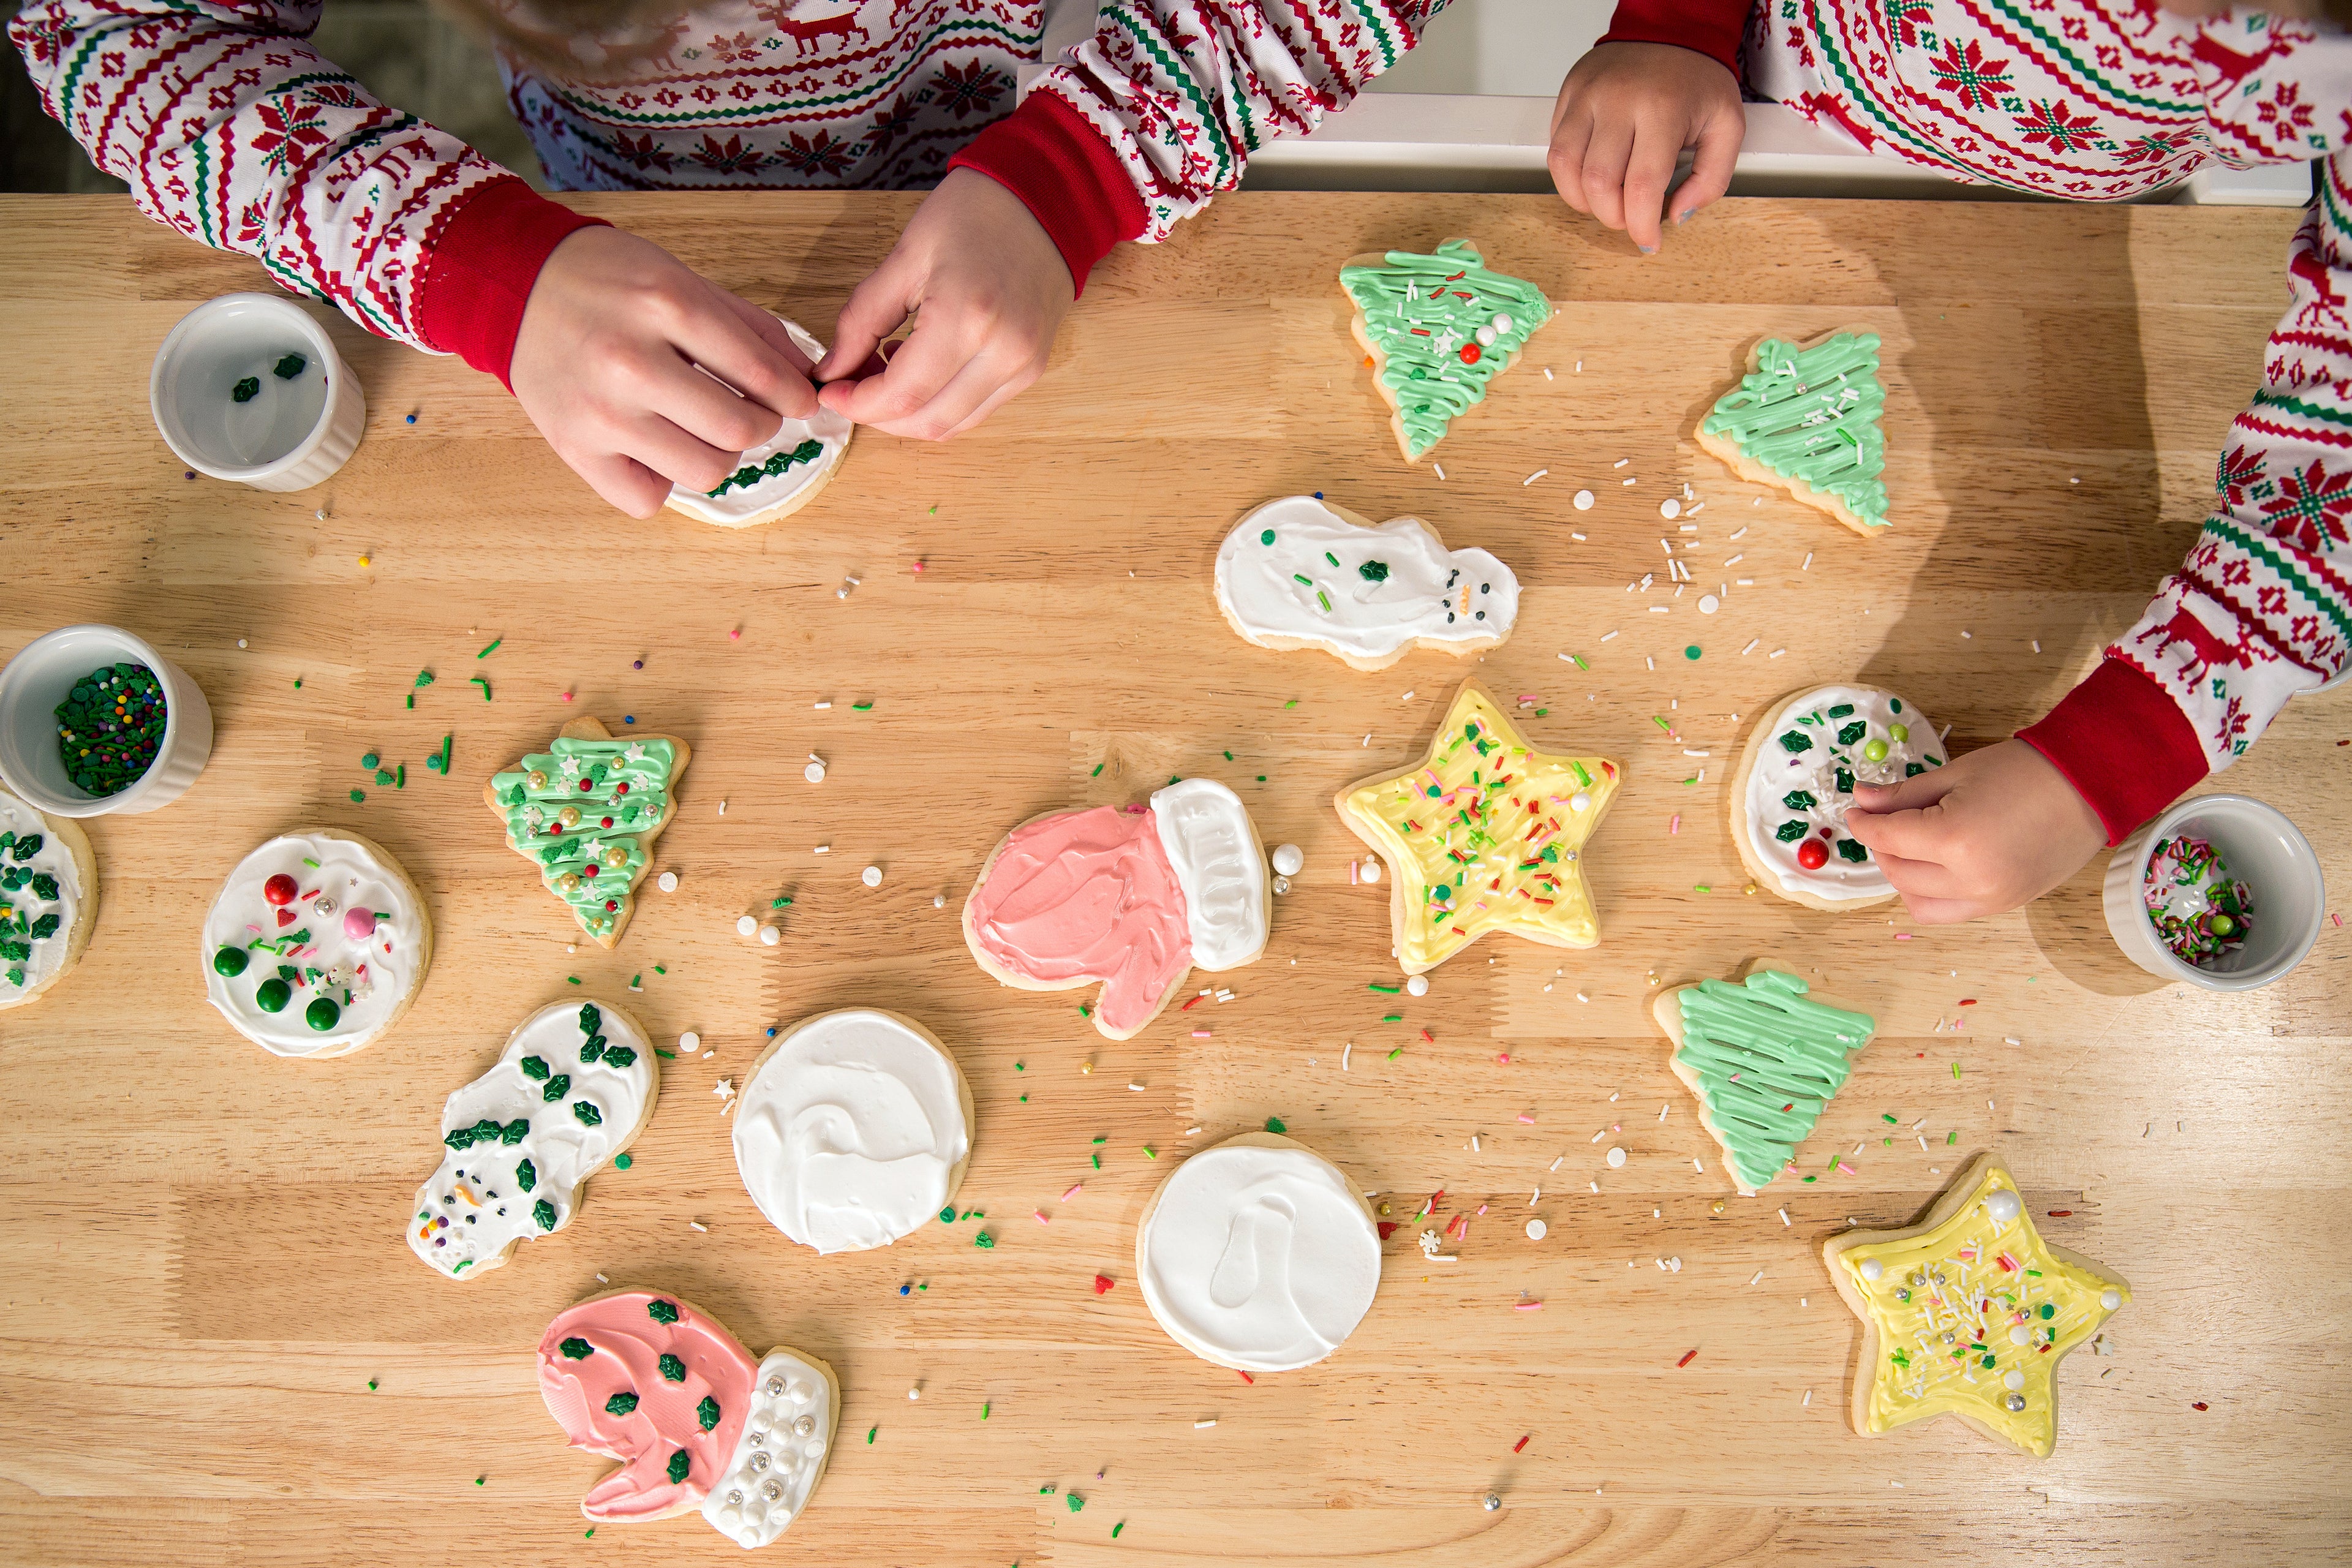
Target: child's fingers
{"type": "Point", "coordinates": [710, 412]}
{"type": "Point", "coordinates": [1605, 157]}
{"type": "Point", "coordinates": [1648, 172]}
{"type": "Point", "coordinates": [770, 330]}
{"type": "Point", "coordinates": [876, 308]}
{"type": "Point", "coordinates": [624, 482]}
{"type": "Point", "coordinates": [720, 340]}
{"type": "Point", "coordinates": [1712, 164]}
{"type": "Point", "coordinates": [1919, 834]}
{"type": "Point", "coordinates": [1923, 879]}
{"type": "Point", "coordinates": [1009, 390]}
{"type": "Point", "coordinates": [989, 378]}
{"type": "Point", "coordinates": [894, 401]}
{"type": "Point", "coordinates": [1569, 138]}
{"type": "Point", "coordinates": [1929, 911]}
{"type": "Point", "coordinates": [669, 451]}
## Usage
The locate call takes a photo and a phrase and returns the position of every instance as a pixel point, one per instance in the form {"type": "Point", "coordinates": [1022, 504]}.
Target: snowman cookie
{"type": "Point", "coordinates": [317, 945]}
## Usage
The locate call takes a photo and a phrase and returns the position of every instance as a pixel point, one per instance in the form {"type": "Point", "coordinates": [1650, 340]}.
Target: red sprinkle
{"type": "Point", "coordinates": [2200, 1404]}
{"type": "Point", "coordinates": [2062, 1213]}
{"type": "Point", "coordinates": [1389, 1228]}
{"type": "Point", "coordinates": [1248, 1379]}
{"type": "Point", "coordinates": [1686, 1358]}
{"type": "Point", "coordinates": [1429, 1037]}
{"type": "Point", "coordinates": [1192, 1004]}
{"type": "Point", "coordinates": [1522, 1443]}
{"type": "Point", "coordinates": [1103, 1284]}
{"type": "Point", "coordinates": [1967, 1001]}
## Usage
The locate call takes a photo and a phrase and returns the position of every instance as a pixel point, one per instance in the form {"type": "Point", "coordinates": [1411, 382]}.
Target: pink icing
{"type": "Point", "coordinates": [1088, 895]}
{"type": "Point", "coordinates": [627, 1343]}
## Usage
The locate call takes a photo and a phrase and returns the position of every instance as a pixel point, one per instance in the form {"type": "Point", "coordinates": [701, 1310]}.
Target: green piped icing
{"type": "Point", "coordinates": [531, 812]}
{"type": "Point", "coordinates": [1812, 414]}
{"type": "Point", "coordinates": [1768, 1061]}
{"type": "Point", "coordinates": [1418, 313]}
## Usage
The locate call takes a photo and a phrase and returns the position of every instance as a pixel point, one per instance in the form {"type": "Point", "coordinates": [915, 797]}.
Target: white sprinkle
{"type": "Point", "coordinates": [1344, 1052]}
{"type": "Point", "coordinates": [1667, 548]}
{"type": "Point", "coordinates": [1136, 1087]}
{"type": "Point", "coordinates": [1649, 662]}
{"type": "Point", "coordinates": [1660, 609]}
{"type": "Point", "coordinates": [1689, 752]}
{"type": "Point", "coordinates": [1578, 537]}
{"type": "Point", "coordinates": [1776, 653]}
{"type": "Point", "coordinates": [240, 642]}
{"type": "Point", "coordinates": [1473, 1142]}
{"type": "Point", "coordinates": [690, 1041]}
{"type": "Point", "coordinates": [1663, 1109]}
{"type": "Point", "coordinates": [1756, 1277]}
{"type": "Point", "coordinates": [1547, 377]}
{"type": "Point", "coordinates": [1699, 508]}
{"type": "Point", "coordinates": [601, 1280]}
{"type": "Point", "coordinates": [1596, 1187]}
{"type": "Point", "coordinates": [1696, 1166]}
{"type": "Point", "coordinates": [1205, 1426]}
{"type": "Point", "coordinates": [2072, 480]}
{"type": "Point", "coordinates": [1784, 1216]}
{"type": "Point", "coordinates": [1621, 462]}
{"type": "Point", "coordinates": [1670, 509]}
{"type": "Point", "coordinates": [1616, 1158]}
{"type": "Point", "coordinates": [1583, 503]}
{"type": "Point", "coordinates": [1809, 1397]}
{"type": "Point", "coordinates": [1680, 527]}
{"type": "Point", "coordinates": [1968, 637]}
{"type": "Point", "coordinates": [1745, 581]}
{"type": "Point", "coordinates": [2037, 645]}
{"type": "Point", "coordinates": [1580, 367]}
{"type": "Point", "coordinates": [1189, 1131]}
{"type": "Point", "coordinates": [1606, 636]}
{"type": "Point", "coordinates": [1808, 561]}
{"type": "Point", "coordinates": [822, 849]}
{"type": "Point", "coordinates": [1629, 483]}
{"type": "Point", "coordinates": [1408, 695]}
{"type": "Point", "coordinates": [1708, 604]}
{"type": "Point", "coordinates": [1751, 648]}
{"type": "Point", "coordinates": [769, 936]}
{"type": "Point", "coordinates": [1736, 558]}
{"type": "Point", "coordinates": [823, 705]}
{"type": "Point", "coordinates": [698, 1225]}
{"type": "Point", "coordinates": [1531, 478]}
{"type": "Point", "coordinates": [667, 881]}
{"type": "Point", "coordinates": [745, 925]}
{"type": "Point", "coordinates": [722, 808]}
{"type": "Point", "coordinates": [938, 900]}
{"type": "Point", "coordinates": [1439, 467]}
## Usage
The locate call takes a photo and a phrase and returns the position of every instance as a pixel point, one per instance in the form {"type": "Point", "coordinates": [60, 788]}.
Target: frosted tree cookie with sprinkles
{"type": "Point", "coordinates": [655, 1382]}
{"type": "Point", "coordinates": [1806, 419]}
{"type": "Point", "coordinates": [1484, 834]}
{"type": "Point", "coordinates": [1130, 898]}
{"type": "Point", "coordinates": [586, 813]}
{"type": "Point", "coordinates": [1795, 784]}
{"type": "Point", "coordinates": [853, 1129]}
{"type": "Point", "coordinates": [1763, 1060]}
{"type": "Point", "coordinates": [49, 899]}
{"type": "Point", "coordinates": [317, 945]}
{"type": "Point", "coordinates": [571, 1091]}
{"type": "Point", "coordinates": [1437, 329]}
{"type": "Point", "coordinates": [1300, 573]}
{"type": "Point", "coordinates": [1258, 1255]}
{"type": "Point", "coordinates": [784, 473]}
{"type": "Point", "coordinates": [1969, 1313]}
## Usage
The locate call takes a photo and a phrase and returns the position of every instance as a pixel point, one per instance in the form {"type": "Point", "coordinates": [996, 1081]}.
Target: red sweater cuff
{"type": "Point", "coordinates": [1712, 28]}
{"type": "Point", "coordinates": [483, 263]}
{"type": "Point", "coordinates": [1066, 174]}
{"type": "Point", "coordinates": [2123, 744]}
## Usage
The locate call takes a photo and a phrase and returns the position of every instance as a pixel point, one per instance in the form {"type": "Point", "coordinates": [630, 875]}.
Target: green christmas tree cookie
{"type": "Point", "coordinates": [1764, 1062]}
{"type": "Point", "coordinates": [1438, 329]}
{"type": "Point", "coordinates": [1807, 420]}
{"type": "Point", "coordinates": [586, 813]}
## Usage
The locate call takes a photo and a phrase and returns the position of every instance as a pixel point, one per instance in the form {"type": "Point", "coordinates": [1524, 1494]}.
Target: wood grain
{"type": "Point", "coordinates": [201, 1248]}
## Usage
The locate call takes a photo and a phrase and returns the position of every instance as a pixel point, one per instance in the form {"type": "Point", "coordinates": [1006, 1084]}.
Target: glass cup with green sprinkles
{"type": "Point", "coordinates": [94, 721]}
{"type": "Point", "coordinates": [248, 387]}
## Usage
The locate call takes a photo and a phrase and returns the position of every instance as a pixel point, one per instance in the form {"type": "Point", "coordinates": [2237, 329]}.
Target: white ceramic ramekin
{"type": "Point", "coordinates": [2263, 850]}
{"type": "Point", "coordinates": [43, 674]}
{"type": "Point", "coordinates": [220, 342]}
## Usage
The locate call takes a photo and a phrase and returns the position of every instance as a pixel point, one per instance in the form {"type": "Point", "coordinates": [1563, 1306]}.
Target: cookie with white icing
{"type": "Point", "coordinates": [317, 945]}
{"type": "Point", "coordinates": [571, 1091]}
{"type": "Point", "coordinates": [586, 814]}
{"type": "Point", "coordinates": [1130, 898]}
{"type": "Point", "coordinates": [1300, 573]}
{"type": "Point", "coordinates": [853, 1129]}
{"type": "Point", "coordinates": [1258, 1254]}
{"type": "Point", "coordinates": [49, 899]}
{"type": "Point", "coordinates": [1795, 782]}
{"type": "Point", "coordinates": [652, 1379]}
{"type": "Point", "coordinates": [780, 475]}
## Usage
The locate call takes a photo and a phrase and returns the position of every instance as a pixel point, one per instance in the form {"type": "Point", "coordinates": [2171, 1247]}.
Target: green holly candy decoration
{"type": "Point", "coordinates": [672, 1368]}
{"type": "Point", "coordinates": [577, 1350]}
{"type": "Point", "coordinates": [662, 1311]}
{"type": "Point", "coordinates": [620, 1404]}
{"type": "Point", "coordinates": [706, 1413]}
{"type": "Point", "coordinates": [679, 1466]}
{"type": "Point", "coordinates": [526, 1175]}
{"type": "Point", "coordinates": [544, 1213]}
{"type": "Point", "coordinates": [557, 1088]}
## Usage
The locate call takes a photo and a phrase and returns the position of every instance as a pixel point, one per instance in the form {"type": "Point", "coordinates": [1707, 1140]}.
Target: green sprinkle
{"type": "Point", "coordinates": [1098, 1159]}
{"type": "Point", "coordinates": [1883, 1117]}
{"type": "Point", "coordinates": [573, 978]}
{"type": "Point", "coordinates": [1297, 578]}
{"type": "Point", "coordinates": [659, 969]}
{"type": "Point", "coordinates": [1150, 1153]}
{"type": "Point", "coordinates": [1956, 1070]}
{"type": "Point", "coordinates": [1274, 1125]}
{"type": "Point", "coordinates": [484, 683]}
{"type": "Point", "coordinates": [984, 1408]}
{"type": "Point", "coordinates": [667, 1055]}
{"type": "Point", "coordinates": [412, 702]}
{"type": "Point", "coordinates": [491, 650]}
{"type": "Point", "coordinates": [371, 1386]}
{"type": "Point", "coordinates": [1396, 1053]}
{"type": "Point", "coordinates": [358, 795]}
{"type": "Point", "coordinates": [1020, 1066]}
{"type": "Point", "coordinates": [1691, 652]}
{"type": "Point", "coordinates": [622, 1161]}
{"type": "Point", "coordinates": [1292, 703]}
{"type": "Point", "coordinates": [1701, 887]}
{"type": "Point", "coordinates": [297, 686]}
{"type": "Point", "coordinates": [1097, 772]}
{"type": "Point", "coordinates": [1102, 1140]}
{"type": "Point", "coordinates": [370, 760]}
{"type": "Point", "coordinates": [862, 707]}
{"type": "Point", "coordinates": [1084, 1010]}
{"type": "Point", "coordinates": [480, 1479]}
{"type": "Point", "coordinates": [947, 1215]}
{"type": "Point", "coordinates": [1384, 990]}
{"type": "Point", "coordinates": [591, 1535]}
{"type": "Point", "coordinates": [1393, 1018]}
{"type": "Point", "coordinates": [1175, 778]}
{"type": "Point", "coordinates": [1229, 756]}
{"type": "Point", "coordinates": [1579, 658]}
{"type": "Point", "coordinates": [1543, 713]}
{"type": "Point", "coordinates": [424, 677]}
{"type": "Point", "coordinates": [1324, 599]}
{"type": "Point", "coordinates": [1661, 724]}
{"type": "Point", "coordinates": [780, 902]}
{"type": "Point", "coordinates": [1117, 1528]}
{"type": "Point", "coordinates": [870, 1433]}
{"type": "Point", "coordinates": [1952, 1137]}
{"type": "Point", "coordinates": [982, 1238]}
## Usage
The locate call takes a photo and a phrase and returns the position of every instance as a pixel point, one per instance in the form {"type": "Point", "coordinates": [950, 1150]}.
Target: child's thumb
{"type": "Point", "coordinates": [876, 308]}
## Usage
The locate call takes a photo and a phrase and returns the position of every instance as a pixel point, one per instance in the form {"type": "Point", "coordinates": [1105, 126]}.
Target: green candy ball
{"type": "Point", "coordinates": [2223, 925]}
{"type": "Point", "coordinates": [273, 995]}
{"type": "Point", "coordinates": [321, 1014]}
{"type": "Point", "coordinates": [231, 962]}
{"type": "Point", "coordinates": [1900, 732]}
{"type": "Point", "coordinates": [1875, 751]}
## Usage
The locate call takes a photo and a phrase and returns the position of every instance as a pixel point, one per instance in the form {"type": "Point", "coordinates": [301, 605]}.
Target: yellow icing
{"type": "Point", "coordinates": [1920, 1373]}
{"type": "Point", "coordinates": [1500, 836]}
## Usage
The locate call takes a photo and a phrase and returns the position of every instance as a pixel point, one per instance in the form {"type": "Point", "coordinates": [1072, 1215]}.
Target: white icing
{"type": "Point", "coordinates": [1465, 595]}
{"type": "Point", "coordinates": [1260, 1257]}
{"type": "Point", "coordinates": [782, 1447]}
{"type": "Point", "coordinates": [826, 426]}
{"type": "Point", "coordinates": [847, 1133]}
{"type": "Point", "coordinates": [478, 1189]}
{"type": "Point", "coordinates": [1207, 833]}
{"type": "Point", "coordinates": [369, 977]}
{"type": "Point", "coordinates": [25, 904]}
{"type": "Point", "coordinates": [1815, 771]}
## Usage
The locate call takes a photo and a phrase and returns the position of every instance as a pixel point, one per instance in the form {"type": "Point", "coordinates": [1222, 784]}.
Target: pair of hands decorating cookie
{"type": "Point", "coordinates": [642, 373]}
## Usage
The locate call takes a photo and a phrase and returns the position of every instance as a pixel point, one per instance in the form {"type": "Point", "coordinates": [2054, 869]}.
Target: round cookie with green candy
{"type": "Point", "coordinates": [49, 899]}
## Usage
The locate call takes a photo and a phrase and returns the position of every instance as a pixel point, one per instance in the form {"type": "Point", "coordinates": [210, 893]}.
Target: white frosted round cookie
{"type": "Point", "coordinates": [1796, 782]}
{"type": "Point", "coordinates": [49, 899]}
{"type": "Point", "coordinates": [781, 1453]}
{"type": "Point", "coordinates": [853, 1129]}
{"type": "Point", "coordinates": [572, 1089]}
{"type": "Point", "coordinates": [781, 476]}
{"type": "Point", "coordinates": [317, 945]}
{"type": "Point", "coordinates": [1258, 1254]}
{"type": "Point", "coordinates": [1300, 573]}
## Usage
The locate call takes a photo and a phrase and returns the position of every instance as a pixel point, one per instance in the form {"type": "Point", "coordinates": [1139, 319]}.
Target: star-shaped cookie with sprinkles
{"type": "Point", "coordinates": [1483, 834]}
{"type": "Point", "coordinates": [1969, 1313]}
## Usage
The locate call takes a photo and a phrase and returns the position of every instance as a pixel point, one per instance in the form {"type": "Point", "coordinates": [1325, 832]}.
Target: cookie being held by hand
{"type": "Point", "coordinates": [780, 475]}
{"type": "Point", "coordinates": [1794, 784]}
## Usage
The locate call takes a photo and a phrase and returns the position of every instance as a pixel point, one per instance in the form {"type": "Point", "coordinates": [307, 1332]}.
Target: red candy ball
{"type": "Point", "coordinates": [1470, 353]}
{"type": "Point", "coordinates": [1812, 853]}
{"type": "Point", "coordinates": [280, 889]}
{"type": "Point", "coordinates": [608, 822]}
{"type": "Point", "coordinates": [587, 784]}
{"type": "Point", "coordinates": [620, 789]}
{"type": "Point", "coordinates": [611, 904]}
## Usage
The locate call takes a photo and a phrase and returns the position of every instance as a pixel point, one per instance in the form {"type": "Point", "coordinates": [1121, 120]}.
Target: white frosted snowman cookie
{"type": "Point", "coordinates": [1796, 779]}
{"type": "Point", "coordinates": [317, 945]}
{"type": "Point", "coordinates": [1258, 1254]}
{"type": "Point", "coordinates": [571, 1091]}
{"type": "Point", "coordinates": [1300, 573]}
{"type": "Point", "coordinates": [49, 899]}
{"type": "Point", "coordinates": [853, 1129]}
{"type": "Point", "coordinates": [782, 475]}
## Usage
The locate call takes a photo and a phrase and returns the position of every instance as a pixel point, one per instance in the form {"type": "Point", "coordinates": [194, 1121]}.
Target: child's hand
{"type": "Point", "coordinates": [605, 366]}
{"type": "Point", "coordinates": [988, 291]}
{"type": "Point", "coordinates": [1625, 115]}
{"type": "Point", "coordinates": [1993, 830]}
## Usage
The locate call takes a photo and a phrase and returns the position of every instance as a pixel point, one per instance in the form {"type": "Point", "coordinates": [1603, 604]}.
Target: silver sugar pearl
{"type": "Point", "coordinates": [322, 905]}
{"type": "Point", "coordinates": [775, 1386]}
{"type": "Point", "coordinates": [2015, 1402]}
{"type": "Point", "coordinates": [758, 1439]}
{"type": "Point", "coordinates": [735, 1497]}
{"type": "Point", "coordinates": [773, 1491]}
{"type": "Point", "coordinates": [761, 1459]}
{"type": "Point", "coordinates": [1282, 884]}
{"type": "Point", "coordinates": [803, 1425]}
{"type": "Point", "coordinates": [1492, 1503]}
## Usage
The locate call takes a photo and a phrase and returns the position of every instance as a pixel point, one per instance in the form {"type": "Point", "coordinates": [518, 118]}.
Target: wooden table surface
{"type": "Point", "coordinates": [214, 1348]}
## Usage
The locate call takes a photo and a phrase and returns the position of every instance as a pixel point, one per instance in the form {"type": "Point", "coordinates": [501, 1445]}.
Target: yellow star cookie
{"type": "Point", "coordinates": [1969, 1313]}
{"type": "Point", "coordinates": [1486, 834]}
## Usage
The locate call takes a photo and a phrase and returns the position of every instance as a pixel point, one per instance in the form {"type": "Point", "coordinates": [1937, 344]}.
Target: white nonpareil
{"type": "Point", "coordinates": [778, 1457]}
{"type": "Point", "coordinates": [1205, 832]}
{"type": "Point", "coordinates": [1365, 593]}
{"type": "Point", "coordinates": [847, 1133]}
{"type": "Point", "coordinates": [1260, 1257]}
